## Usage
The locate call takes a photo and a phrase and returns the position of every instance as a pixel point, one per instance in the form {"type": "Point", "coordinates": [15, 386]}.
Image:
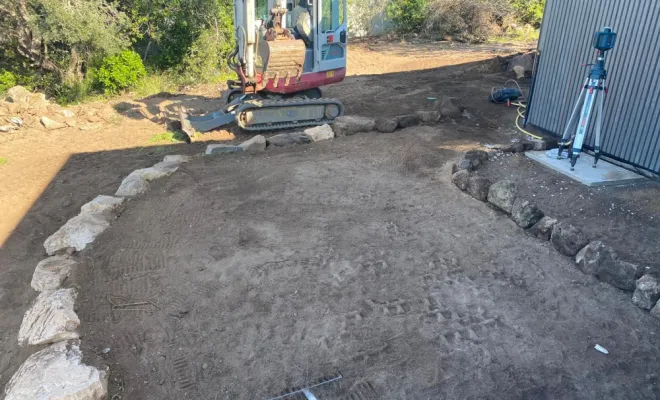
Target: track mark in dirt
{"type": "Point", "coordinates": [363, 390]}
{"type": "Point", "coordinates": [133, 262]}
{"type": "Point", "coordinates": [185, 376]}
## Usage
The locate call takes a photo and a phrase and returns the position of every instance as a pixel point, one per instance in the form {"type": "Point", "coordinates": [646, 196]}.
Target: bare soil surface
{"type": "Point", "coordinates": [355, 255]}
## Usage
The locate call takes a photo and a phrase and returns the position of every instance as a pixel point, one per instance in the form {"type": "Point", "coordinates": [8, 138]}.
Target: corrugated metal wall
{"type": "Point", "coordinates": [631, 127]}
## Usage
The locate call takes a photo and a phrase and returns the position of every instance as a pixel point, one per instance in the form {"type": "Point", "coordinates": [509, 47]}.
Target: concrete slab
{"type": "Point", "coordinates": [604, 174]}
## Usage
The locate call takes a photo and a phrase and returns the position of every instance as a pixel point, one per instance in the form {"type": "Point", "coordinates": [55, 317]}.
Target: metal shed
{"type": "Point", "coordinates": [631, 127]}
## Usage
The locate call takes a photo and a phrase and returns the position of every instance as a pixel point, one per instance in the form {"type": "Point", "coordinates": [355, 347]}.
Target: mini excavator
{"type": "Point", "coordinates": [285, 51]}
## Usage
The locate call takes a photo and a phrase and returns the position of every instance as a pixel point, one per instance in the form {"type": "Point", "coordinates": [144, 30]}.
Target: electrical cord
{"type": "Point", "coordinates": [520, 106]}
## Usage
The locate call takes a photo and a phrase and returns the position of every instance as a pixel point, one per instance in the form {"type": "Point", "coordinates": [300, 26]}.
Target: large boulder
{"type": "Point", "coordinates": [406, 121]}
{"type": "Point", "coordinates": [592, 256]}
{"type": "Point", "coordinates": [543, 228]}
{"type": "Point", "coordinates": [350, 125]}
{"type": "Point", "coordinates": [317, 133]}
{"type": "Point", "coordinates": [525, 61]}
{"type": "Point", "coordinates": [58, 373]}
{"type": "Point", "coordinates": [603, 262]}
{"type": "Point", "coordinates": [525, 213]}
{"type": "Point", "coordinates": [132, 186]}
{"type": "Point", "coordinates": [450, 107]}
{"type": "Point", "coordinates": [461, 178]}
{"type": "Point", "coordinates": [386, 125]}
{"type": "Point", "coordinates": [137, 182]}
{"type": "Point", "coordinates": [254, 145]}
{"type": "Point", "coordinates": [51, 273]}
{"type": "Point", "coordinates": [223, 149]}
{"type": "Point", "coordinates": [478, 187]}
{"type": "Point", "coordinates": [288, 139]}
{"type": "Point", "coordinates": [109, 205]}
{"type": "Point", "coordinates": [50, 319]}
{"type": "Point", "coordinates": [77, 232]}
{"type": "Point", "coordinates": [567, 239]}
{"type": "Point", "coordinates": [647, 292]}
{"type": "Point", "coordinates": [502, 194]}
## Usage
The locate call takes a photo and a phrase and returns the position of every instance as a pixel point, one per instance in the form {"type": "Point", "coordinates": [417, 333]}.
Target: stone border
{"type": "Point", "coordinates": [591, 257]}
{"type": "Point", "coordinates": [57, 371]}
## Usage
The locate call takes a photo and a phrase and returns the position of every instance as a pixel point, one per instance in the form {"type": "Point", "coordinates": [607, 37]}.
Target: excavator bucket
{"type": "Point", "coordinates": [191, 124]}
{"type": "Point", "coordinates": [283, 59]}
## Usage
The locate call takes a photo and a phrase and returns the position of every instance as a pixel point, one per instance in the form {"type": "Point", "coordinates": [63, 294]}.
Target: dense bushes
{"type": "Point", "coordinates": [7, 80]}
{"type": "Point", "coordinates": [407, 15]}
{"type": "Point", "coordinates": [121, 71]}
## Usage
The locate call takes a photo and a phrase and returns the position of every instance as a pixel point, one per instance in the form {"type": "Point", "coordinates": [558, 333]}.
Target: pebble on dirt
{"type": "Point", "coordinates": [478, 187]}
{"type": "Point", "coordinates": [460, 179]}
{"type": "Point", "coordinates": [567, 239]}
{"type": "Point", "coordinates": [543, 228]}
{"type": "Point", "coordinates": [254, 145]}
{"type": "Point", "coordinates": [57, 372]}
{"type": "Point", "coordinates": [386, 125]}
{"type": "Point", "coordinates": [288, 139]}
{"type": "Point", "coordinates": [51, 273]}
{"type": "Point", "coordinates": [525, 213]}
{"type": "Point", "coordinates": [647, 292]}
{"type": "Point", "coordinates": [502, 195]}
{"type": "Point", "coordinates": [50, 319]}
{"type": "Point", "coordinates": [318, 133]}
{"type": "Point", "coordinates": [350, 125]}
{"type": "Point", "coordinates": [406, 121]}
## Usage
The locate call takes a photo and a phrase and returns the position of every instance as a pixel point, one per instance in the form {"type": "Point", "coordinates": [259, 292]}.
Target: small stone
{"type": "Point", "coordinates": [205, 366]}
{"type": "Point", "coordinates": [67, 113]}
{"type": "Point", "coordinates": [463, 164]}
{"type": "Point", "coordinates": [51, 124]}
{"type": "Point", "coordinates": [519, 70]}
{"type": "Point", "coordinates": [254, 145]}
{"type": "Point", "coordinates": [51, 273]}
{"type": "Point", "coordinates": [50, 319]}
{"type": "Point", "coordinates": [480, 155]}
{"type": "Point", "coordinates": [478, 187]}
{"type": "Point", "coordinates": [450, 107]}
{"type": "Point", "coordinates": [567, 239]}
{"type": "Point", "coordinates": [386, 125]}
{"type": "Point", "coordinates": [461, 178]}
{"type": "Point", "coordinates": [222, 149]}
{"type": "Point", "coordinates": [405, 121]}
{"type": "Point", "coordinates": [502, 194]}
{"type": "Point", "coordinates": [317, 133]}
{"type": "Point", "coordinates": [525, 213]}
{"type": "Point", "coordinates": [57, 372]}
{"type": "Point", "coordinates": [543, 228]}
{"type": "Point", "coordinates": [350, 125]}
{"type": "Point", "coordinates": [428, 117]}
{"type": "Point", "coordinates": [106, 350]}
{"type": "Point", "coordinates": [177, 158]}
{"type": "Point", "coordinates": [288, 139]}
{"type": "Point", "coordinates": [647, 292]}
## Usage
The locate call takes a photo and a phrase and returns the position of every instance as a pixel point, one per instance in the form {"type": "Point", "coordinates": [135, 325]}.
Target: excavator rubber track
{"type": "Point", "coordinates": [265, 115]}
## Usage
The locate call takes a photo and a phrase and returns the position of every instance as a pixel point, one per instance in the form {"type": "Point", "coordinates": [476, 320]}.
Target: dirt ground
{"type": "Point", "coordinates": [355, 255]}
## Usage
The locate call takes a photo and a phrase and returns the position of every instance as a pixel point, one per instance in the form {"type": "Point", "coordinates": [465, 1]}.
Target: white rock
{"type": "Point", "coordinates": [177, 158]}
{"type": "Point", "coordinates": [132, 186]}
{"type": "Point", "coordinates": [67, 113]}
{"type": "Point", "coordinates": [51, 272]}
{"type": "Point", "coordinates": [256, 144]}
{"type": "Point", "coordinates": [50, 319]}
{"type": "Point", "coordinates": [323, 132]}
{"type": "Point", "coordinates": [78, 232]}
{"type": "Point", "coordinates": [57, 373]}
{"type": "Point", "coordinates": [137, 182]}
{"type": "Point", "coordinates": [51, 124]}
{"type": "Point", "coordinates": [102, 203]}
{"type": "Point", "coordinates": [352, 124]}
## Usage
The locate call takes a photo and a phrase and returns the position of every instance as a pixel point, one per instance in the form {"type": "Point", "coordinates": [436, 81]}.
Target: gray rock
{"type": "Point", "coordinates": [177, 158]}
{"type": "Point", "coordinates": [592, 256]}
{"type": "Point", "coordinates": [526, 61]}
{"type": "Point", "coordinates": [132, 186]}
{"type": "Point", "coordinates": [463, 164]}
{"type": "Point", "coordinates": [350, 125]}
{"type": "Point", "coordinates": [57, 372]}
{"type": "Point", "coordinates": [77, 232]}
{"type": "Point", "coordinates": [254, 145]}
{"type": "Point", "coordinates": [461, 178]}
{"type": "Point", "coordinates": [317, 133]}
{"type": "Point", "coordinates": [519, 71]}
{"type": "Point", "coordinates": [502, 194]}
{"type": "Point", "coordinates": [525, 213]}
{"type": "Point", "coordinates": [50, 319]}
{"type": "Point", "coordinates": [655, 311]}
{"type": "Point", "coordinates": [51, 273]}
{"type": "Point", "coordinates": [222, 149]}
{"type": "Point", "coordinates": [428, 117]}
{"type": "Point", "coordinates": [543, 228]}
{"type": "Point", "coordinates": [386, 125]}
{"type": "Point", "coordinates": [567, 239]}
{"type": "Point", "coordinates": [647, 292]}
{"type": "Point", "coordinates": [480, 155]}
{"type": "Point", "coordinates": [450, 107]}
{"type": "Point", "coordinates": [478, 187]}
{"type": "Point", "coordinates": [620, 274]}
{"type": "Point", "coordinates": [18, 94]}
{"type": "Point", "coordinates": [51, 124]}
{"type": "Point", "coordinates": [109, 205]}
{"type": "Point", "coordinates": [288, 139]}
{"type": "Point", "coordinates": [137, 182]}
{"type": "Point", "coordinates": [406, 121]}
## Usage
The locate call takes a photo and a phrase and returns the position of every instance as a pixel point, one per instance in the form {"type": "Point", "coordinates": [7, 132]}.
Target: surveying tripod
{"type": "Point", "coordinates": [594, 84]}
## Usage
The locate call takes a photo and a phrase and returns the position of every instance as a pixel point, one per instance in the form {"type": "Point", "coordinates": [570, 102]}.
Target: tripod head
{"type": "Point", "coordinates": [604, 40]}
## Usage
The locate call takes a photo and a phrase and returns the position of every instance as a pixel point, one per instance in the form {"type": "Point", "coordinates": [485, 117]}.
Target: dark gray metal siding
{"type": "Point", "coordinates": [631, 127]}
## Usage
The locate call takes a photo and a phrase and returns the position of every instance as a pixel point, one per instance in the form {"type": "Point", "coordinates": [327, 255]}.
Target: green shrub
{"type": "Point", "coordinates": [407, 15]}
{"type": "Point", "coordinates": [7, 80]}
{"type": "Point", "coordinates": [529, 11]}
{"type": "Point", "coordinates": [120, 72]}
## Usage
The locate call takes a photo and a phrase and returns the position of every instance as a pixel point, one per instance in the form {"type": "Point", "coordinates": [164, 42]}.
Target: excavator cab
{"type": "Point", "coordinates": [285, 51]}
